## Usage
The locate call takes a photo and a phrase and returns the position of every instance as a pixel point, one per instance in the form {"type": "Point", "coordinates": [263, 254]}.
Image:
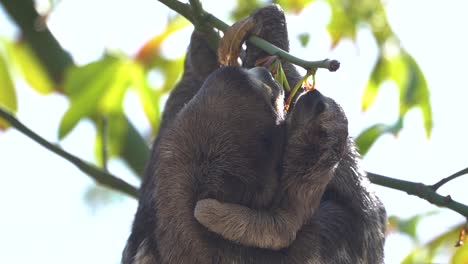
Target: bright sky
{"type": "Point", "coordinates": [44, 216]}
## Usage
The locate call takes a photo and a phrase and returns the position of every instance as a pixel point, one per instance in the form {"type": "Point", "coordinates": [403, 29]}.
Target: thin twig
{"type": "Point", "coordinates": [185, 10]}
{"type": "Point", "coordinates": [92, 171]}
{"type": "Point", "coordinates": [423, 191]}
{"type": "Point", "coordinates": [457, 174]}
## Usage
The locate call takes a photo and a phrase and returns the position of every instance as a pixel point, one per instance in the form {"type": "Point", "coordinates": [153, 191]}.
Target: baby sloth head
{"type": "Point", "coordinates": [319, 122]}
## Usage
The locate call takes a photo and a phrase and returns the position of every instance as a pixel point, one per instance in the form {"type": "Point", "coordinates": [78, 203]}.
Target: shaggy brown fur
{"type": "Point", "coordinates": [223, 141]}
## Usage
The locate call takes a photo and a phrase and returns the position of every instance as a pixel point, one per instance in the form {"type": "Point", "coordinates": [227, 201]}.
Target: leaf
{"type": "Point", "coordinates": [172, 70]}
{"type": "Point", "coordinates": [415, 92]}
{"type": "Point", "coordinates": [123, 140]}
{"type": "Point", "coordinates": [304, 39]}
{"type": "Point", "coordinates": [8, 98]}
{"type": "Point", "coordinates": [150, 50]}
{"type": "Point", "coordinates": [460, 256]}
{"type": "Point", "coordinates": [409, 226]}
{"type": "Point", "coordinates": [244, 8]}
{"type": "Point", "coordinates": [367, 138]}
{"type": "Point", "coordinates": [116, 131]}
{"type": "Point", "coordinates": [149, 98]}
{"type": "Point", "coordinates": [98, 87]}
{"type": "Point", "coordinates": [78, 77]}
{"type": "Point", "coordinates": [135, 150]}
{"type": "Point", "coordinates": [427, 252]}
{"type": "Point", "coordinates": [29, 66]}
{"type": "Point", "coordinates": [342, 24]}
{"type": "Point", "coordinates": [378, 75]}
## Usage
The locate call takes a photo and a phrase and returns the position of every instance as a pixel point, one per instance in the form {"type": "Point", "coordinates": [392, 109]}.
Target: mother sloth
{"type": "Point", "coordinates": [226, 144]}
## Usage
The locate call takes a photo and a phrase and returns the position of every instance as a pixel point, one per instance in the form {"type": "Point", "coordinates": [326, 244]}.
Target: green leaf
{"type": "Point", "coordinates": [79, 77]}
{"type": "Point", "coordinates": [122, 140]}
{"type": "Point", "coordinates": [116, 131]}
{"type": "Point", "coordinates": [172, 70]}
{"type": "Point", "coordinates": [367, 138]}
{"type": "Point", "coordinates": [29, 67]}
{"type": "Point", "coordinates": [409, 226]}
{"type": "Point", "coordinates": [136, 151]}
{"type": "Point", "coordinates": [461, 255]}
{"type": "Point", "coordinates": [304, 39]}
{"type": "Point", "coordinates": [415, 92]}
{"type": "Point", "coordinates": [149, 98]}
{"type": "Point", "coordinates": [378, 75]}
{"type": "Point", "coordinates": [94, 88]}
{"type": "Point", "coordinates": [8, 98]}
{"type": "Point", "coordinates": [244, 8]}
{"type": "Point", "coordinates": [427, 252]}
{"type": "Point", "coordinates": [342, 23]}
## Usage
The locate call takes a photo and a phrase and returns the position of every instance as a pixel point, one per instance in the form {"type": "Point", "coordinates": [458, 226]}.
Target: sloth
{"type": "Point", "coordinates": [223, 139]}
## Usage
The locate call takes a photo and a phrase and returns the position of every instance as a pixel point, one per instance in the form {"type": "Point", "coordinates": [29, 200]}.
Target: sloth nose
{"type": "Point", "coordinates": [314, 101]}
{"type": "Point", "coordinates": [264, 76]}
{"type": "Point", "coordinates": [261, 73]}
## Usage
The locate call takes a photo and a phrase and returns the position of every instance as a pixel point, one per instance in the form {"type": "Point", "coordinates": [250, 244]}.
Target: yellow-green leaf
{"type": "Point", "coordinates": [415, 92]}
{"type": "Point", "coordinates": [150, 50]}
{"type": "Point", "coordinates": [94, 88]}
{"type": "Point", "coordinates": [342, 24]}
{"type": "Point", "coordinates": [7, 92]}
{"type": "Point", "coordinates": [116, 131]}
{"type": "Point", "coordinates": [378, 75]}
{"type": "Point", "coordinates": [29, 67]}
{"type": "Point", "coordinates": [244, 8]}
{"type": "Point", "coordinates": [367, 138]}
{"type": "Point", "coordinates": [427, 252]}
{"type": "Point", "coordinates": [149, 98]}
{"type": "Point", "coordinates": [461, 255]}
{"type": "Point", "coordinates": [172, 70]}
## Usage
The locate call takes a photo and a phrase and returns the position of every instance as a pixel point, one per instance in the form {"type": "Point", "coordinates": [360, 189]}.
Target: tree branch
{"type": "Point", "coordinates": [186, 11]}
{"type": "Point", "coordinates": [92, 171]}
{"type": "Point", "coordinates": [44, 45]}
{"type": "Point", "coordinates": [439, 184]}
{"type": "Point", "coordinates": [423, 191]}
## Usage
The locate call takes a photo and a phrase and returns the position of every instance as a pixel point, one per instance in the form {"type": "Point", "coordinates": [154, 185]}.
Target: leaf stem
{"type": "Point", "coordinates": [92, 171]}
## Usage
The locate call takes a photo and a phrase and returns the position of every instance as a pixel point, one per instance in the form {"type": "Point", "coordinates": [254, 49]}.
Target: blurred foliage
{"type": "Point", "coordinates": [7, 91]}
{"type": "Point", "coordinates": [26, 63]}
{"type": "Point", "coordinates": [443, 244]}
{"type": "Point", "coordinates": [96, 91]}
{"type": "Point", "coordinates": [407, 226]}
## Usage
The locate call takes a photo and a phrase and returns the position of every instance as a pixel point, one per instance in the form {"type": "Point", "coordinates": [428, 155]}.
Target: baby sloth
{"type": "Point", "coordinates": [317, 139]}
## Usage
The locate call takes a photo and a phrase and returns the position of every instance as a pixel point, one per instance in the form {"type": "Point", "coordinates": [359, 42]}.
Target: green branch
{"type": "Point", "coordinates": [186, 11]}
{"type": "Point", "coordinates": [423, 191]}
{"type": "Point", "coordinates": [92, 171]}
